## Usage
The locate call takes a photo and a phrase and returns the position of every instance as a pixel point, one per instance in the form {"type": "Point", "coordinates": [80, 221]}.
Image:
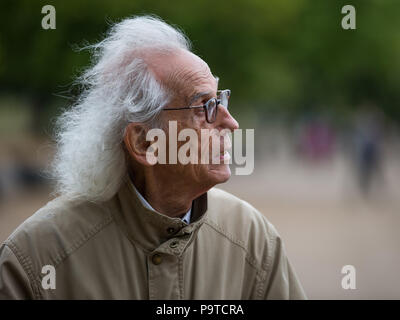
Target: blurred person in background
{"type": "Point", "coordinates": [123, 228]}
{"type": "Point", "coordinates": [316, 140]}
{"type": "Point", "coordinates": [367, 138]}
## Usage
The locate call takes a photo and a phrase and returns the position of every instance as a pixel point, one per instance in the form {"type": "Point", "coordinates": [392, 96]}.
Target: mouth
{"type": "Point", "coordinates": [224, 157]}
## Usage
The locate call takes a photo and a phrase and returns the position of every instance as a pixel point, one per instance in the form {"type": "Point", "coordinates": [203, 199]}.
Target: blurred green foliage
{"type": "Point", "coordinates": [276, 55]}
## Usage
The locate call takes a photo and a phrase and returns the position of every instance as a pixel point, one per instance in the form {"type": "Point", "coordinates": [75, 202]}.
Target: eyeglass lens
{"type": "Point", "coordinates": [211, 110]}
{"type": "Point", "coordinates": [211, 105]}
{"type": "Point", "coordinates": [224, 97]}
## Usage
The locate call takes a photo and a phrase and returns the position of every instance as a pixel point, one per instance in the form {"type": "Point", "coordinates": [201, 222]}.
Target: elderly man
{"type": "Point", "coordinates": [123, 227]}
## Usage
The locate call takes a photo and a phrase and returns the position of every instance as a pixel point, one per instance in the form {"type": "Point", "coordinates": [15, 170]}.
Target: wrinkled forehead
{"type": "Point", "coordinates": [183, 73]}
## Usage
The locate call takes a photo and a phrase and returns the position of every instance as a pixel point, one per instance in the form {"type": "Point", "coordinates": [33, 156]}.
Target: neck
{"type": "Point", "coordinates": [171, 198]}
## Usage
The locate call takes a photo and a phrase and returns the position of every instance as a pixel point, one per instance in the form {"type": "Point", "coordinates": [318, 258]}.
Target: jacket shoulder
{"type": "Point", "coordinates": [243, 225]}
{"type": "Point", "coordinates": [56, 230]}
{"type": "Point", "coordinates": [234, 214]}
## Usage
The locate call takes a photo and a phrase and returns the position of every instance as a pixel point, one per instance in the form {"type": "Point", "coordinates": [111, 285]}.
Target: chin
{"type": "Point", "coordinates": [219, 173]}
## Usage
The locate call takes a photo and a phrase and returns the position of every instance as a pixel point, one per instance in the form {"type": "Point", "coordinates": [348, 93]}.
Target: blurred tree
{"type": "Point", "coordinates": [275, 55]}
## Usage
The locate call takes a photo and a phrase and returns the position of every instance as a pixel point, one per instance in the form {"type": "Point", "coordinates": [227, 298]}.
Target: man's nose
{"type": "Point", "coordinates": [225, 120]}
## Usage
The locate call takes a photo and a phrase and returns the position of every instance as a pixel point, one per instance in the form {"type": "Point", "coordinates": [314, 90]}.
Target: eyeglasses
{"type": "Point", "coordinates": [211, 106]}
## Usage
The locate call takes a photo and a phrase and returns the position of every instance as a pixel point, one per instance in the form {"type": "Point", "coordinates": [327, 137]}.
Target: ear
{"type": "Point", "coordinates": [135, 142]}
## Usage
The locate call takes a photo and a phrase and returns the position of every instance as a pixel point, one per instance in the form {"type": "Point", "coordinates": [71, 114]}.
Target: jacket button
{"type": "Point", "coordinates": [157, 258]}
{"type": "Point", "coordinates": [170, 230]}
{"type": "Point", "coordinates": [174, 244]}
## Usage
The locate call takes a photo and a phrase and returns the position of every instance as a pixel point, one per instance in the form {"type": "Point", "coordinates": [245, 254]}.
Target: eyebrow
{"type": "Point", "coordinates": [197, 96]}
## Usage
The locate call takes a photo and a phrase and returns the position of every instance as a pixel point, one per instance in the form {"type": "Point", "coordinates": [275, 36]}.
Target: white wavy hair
{"type": "Point", "coordinates": [118, 88]}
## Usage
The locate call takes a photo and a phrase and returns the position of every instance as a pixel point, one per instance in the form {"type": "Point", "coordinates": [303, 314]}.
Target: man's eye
{"type": "Point", "coordinates": [206, 98]}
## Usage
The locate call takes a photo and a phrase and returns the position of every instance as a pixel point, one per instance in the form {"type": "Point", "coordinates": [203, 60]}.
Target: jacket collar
{"type": "Point", "coordinates": [147, 205]}
{"type": "Point", "coordinates": [149, 228]}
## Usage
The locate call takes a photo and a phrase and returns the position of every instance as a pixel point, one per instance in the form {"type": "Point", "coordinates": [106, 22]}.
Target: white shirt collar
{"type": "Point", "coordinates": [186, 217]}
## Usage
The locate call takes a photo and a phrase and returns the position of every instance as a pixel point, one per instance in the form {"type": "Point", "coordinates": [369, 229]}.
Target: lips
{"type": "Point", "coordinates": [225, 157]}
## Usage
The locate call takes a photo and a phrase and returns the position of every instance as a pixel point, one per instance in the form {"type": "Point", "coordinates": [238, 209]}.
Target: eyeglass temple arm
{"type": "Point", "coordinates": [191, 107]}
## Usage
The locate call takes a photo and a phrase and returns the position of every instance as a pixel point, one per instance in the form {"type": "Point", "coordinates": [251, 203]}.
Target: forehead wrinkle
{"type": "Point", "coordinates": [179, 79]}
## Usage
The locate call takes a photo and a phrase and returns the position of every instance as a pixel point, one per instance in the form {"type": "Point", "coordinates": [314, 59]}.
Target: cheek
{"type": "Point", "coordinates": [196, 123]}
{"type": "Point", "coordinates": [198, 120]}
{"type": "Point", "coordinates": [203, 173]}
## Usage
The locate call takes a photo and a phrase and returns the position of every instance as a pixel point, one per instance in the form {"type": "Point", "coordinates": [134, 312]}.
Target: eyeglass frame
{"type": "Point", "coordinates": [205, 105]}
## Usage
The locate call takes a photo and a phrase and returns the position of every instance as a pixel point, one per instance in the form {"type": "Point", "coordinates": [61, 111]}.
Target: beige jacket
{"type": "Point", "coordinates": [121, 250]}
